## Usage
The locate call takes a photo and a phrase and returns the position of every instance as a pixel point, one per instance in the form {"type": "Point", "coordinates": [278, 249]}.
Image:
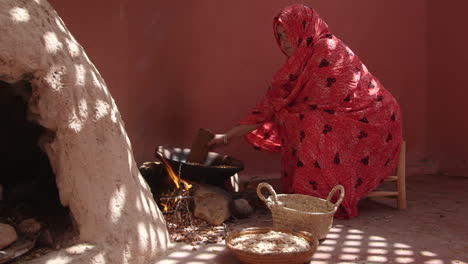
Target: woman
{"type": "Point", "coordinates": [329, 117]}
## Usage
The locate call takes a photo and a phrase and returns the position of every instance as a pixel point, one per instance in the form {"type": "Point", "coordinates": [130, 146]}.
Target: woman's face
{"type": "Point", "coordinates": [284, 41]}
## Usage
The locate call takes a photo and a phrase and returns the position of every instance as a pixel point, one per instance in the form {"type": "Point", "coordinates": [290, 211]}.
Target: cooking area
{"type": "Point", "coordinates": [160, 132]}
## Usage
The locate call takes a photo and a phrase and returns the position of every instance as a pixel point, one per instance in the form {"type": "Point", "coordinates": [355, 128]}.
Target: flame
{"type": "Point", "coordinates": [166, 207]}
{"type": "Point", "coordinates": [177, 181]}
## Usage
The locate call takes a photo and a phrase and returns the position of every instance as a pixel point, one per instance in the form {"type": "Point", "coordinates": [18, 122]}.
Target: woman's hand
{"type": "Point", "coordinates": [219, 140]}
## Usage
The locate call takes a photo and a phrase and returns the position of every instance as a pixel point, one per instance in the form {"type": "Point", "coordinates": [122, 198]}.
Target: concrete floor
{"type": "Point", "coordinates": [434, 230]}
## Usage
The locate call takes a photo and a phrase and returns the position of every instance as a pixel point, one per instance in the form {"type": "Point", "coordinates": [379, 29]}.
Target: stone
{"type": "Point", "coordinates": [29, 226]}
{"type": "Point", "coordinates": [45, 239]}
{"type": "Point", "coordinates": [85, 141]}
{"type": "Point", "coordinates": [7, 235]}
{"type": "Point", "coordinates": [212, 204]}
{"type": "Point", "coordinates": [242, 208]}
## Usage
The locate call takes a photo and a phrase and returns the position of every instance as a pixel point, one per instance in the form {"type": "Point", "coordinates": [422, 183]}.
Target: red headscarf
{"type": "Point", "coordinates": [312, 41]}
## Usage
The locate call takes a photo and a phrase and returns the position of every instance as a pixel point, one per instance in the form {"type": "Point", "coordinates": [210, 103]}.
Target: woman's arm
{"type": "Point", "coordinates": [235, 132]}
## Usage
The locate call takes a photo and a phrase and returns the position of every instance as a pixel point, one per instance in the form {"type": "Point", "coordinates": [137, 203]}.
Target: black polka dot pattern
{"type": "Point", "coordinates": [387, 162]}
{"type": "Point", "coordinates": [293, 77]}
{"type": "Point", "coordinates": [324, 63]}
{"type": "Point", "coordinates": [389, 138]}
{"type": "Point", "coordinates": [330, 111]}
{"type": "Point", "coordinates": [365, 160]}
{"type": "Point", "coordinates": [301, 117]}
{"type": "Point", "coordinates": [331, 81]}
{"type": "Point", "coordinates": [348, 98]}
{"type": "Point", "coordinates": [313, 107]}
{"type": "Point", "coordinates": [358, 183]}
{"type": "Point", "coordinates": [256, 112]}
{"type": "Point", "coordinates": [364, 120]}
{"type": "Point", "coordinates": [362, 134]}
{"type": "Point", "coordinates": [314, 184]}
{"type": "Point", "coordinates": [327, 129]}
{"type": "Point", "coordinates": [309, 41]}
{"type": "Point", "coordinates": [317, 165]}
{"type": "Point", "coordinates": [300, 164]}
{"type": "Point", "coordinates": [337, 159]}
{"type": "Point", "coordinates": [302, 136]}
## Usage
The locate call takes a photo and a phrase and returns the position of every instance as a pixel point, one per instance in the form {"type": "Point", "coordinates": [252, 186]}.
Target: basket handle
{"type": "Point", "coordinates": [332, 193]}
{"type": "Point", "coordinates": [270, 189]}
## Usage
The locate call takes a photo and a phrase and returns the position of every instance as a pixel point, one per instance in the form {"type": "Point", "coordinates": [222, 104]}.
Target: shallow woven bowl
{"type": "Point", "coordinates": [272, 258]}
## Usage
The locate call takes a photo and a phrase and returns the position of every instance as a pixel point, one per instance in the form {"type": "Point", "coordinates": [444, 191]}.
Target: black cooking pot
{"type": "Point", "coordinates": [215, 170]}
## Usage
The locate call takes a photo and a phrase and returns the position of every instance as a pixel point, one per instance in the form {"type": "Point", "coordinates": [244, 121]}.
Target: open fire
{"type": "Point", "coordinates": [182, 188]}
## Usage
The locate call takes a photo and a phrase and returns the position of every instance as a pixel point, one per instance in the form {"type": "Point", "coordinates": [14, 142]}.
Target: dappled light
{"type": "Point", "coordinates": [356, 77]}
{"type": "Point", "coordinates": [185, 254]}
{"type": "Point", "coordinates": [331, 44]}
{"type": "Point", "coordinates": [117, 203]}
{"type": "Point", "coordinates": [80, 75]}
{"type": "Point", "coordinates": [96, 82]}
{"type": "Point", "coordinates": [68, 94]}
{"type": "Point", "coordinates": [99, 258]}
{"type": "Point", "coordinates": [83, 109]}
{"type": "Point", "coordinates": [355, 245]}
{"type": "Point", "coordinates": [79, 249]}
{"type": "Point", "coordinates": [54, 77]}
{"type": "Point", "coordinates": [364, 68]}
{"type": "Point", "coordinates": [60, 24]}
{"type": "Point", "coordinates": [129, 223]}
{"type": "Point", "coordinates": [343, 245]}
{"type": "Point", "coordinates": [59, 260]}
{"type": "Point", "coordinates": [52, 43]}
{"type": "Point", "coordinates": [102, 109]}
{"type": "Point", "coordinates": [114, 112]}
{"type": "Point", "coordinates": [73, 47]}
{"type": "Point", "coordinates": [350, 52]}
{"type": "Point", "coordinates": [19, 14]}
{"type": "Point", "coordinates": [374, 91]}
{"type": "Point", "coordinates": [74, 122]}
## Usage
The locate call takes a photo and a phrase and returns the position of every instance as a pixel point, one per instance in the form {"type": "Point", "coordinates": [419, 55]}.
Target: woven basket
{"type": "Point", "coordinates": [300, 212]}
{"type": "Point", "coordinates": [272, 258]}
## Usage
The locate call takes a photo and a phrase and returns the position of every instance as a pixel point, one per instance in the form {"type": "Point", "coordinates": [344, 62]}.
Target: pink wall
{"type": "Point", "coordinates": [173, 68]}
{"type": "Point", "coordinates": [448, 89]}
